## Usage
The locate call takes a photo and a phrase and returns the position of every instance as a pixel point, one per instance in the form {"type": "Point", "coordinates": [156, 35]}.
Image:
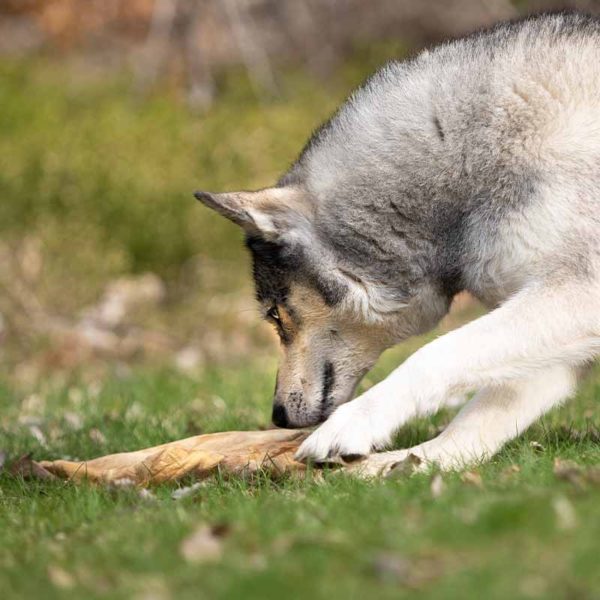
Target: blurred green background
{"type": "Point", "coordinates": [111, 116]}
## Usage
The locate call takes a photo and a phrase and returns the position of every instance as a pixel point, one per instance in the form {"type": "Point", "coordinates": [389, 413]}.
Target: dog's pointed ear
{"type": "Point", "coordinates": [270, 213]}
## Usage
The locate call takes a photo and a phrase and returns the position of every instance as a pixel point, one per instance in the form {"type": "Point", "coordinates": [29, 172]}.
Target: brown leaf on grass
{"type": "Point", "coordinates": [472, 478]}
{"type": "Point", "coordinates": [567, 470]}
{"type": "Point", "coordinates": [576, 475]}
{"type": "Point", "coordinates": [204, 544]}
{"type": "Point", "coordinates": [97, 436]}
{"type": "Point", "coordinates": [405, 468]}
{"type": "Point", "coordinates": [29, 469]}
{"type": "Point", "coordinates": [73, 420]}
{"type": "Point", "coordinates": [60, 578]}
{"type": "Point", "coordinates": [536, 447]}
{"type": "Point", "coordinates": [589, 434]}
{"type": "Point", "coordinates": [230, 453]}
{"type": "Point", "coordinates": [509, 472]}
{"type": "Point", "coordinates": [592, 475]}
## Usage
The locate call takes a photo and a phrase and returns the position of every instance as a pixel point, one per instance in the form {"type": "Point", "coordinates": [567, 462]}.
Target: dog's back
{"type": "Point", "coordinates": [524, 90]}
{"type": "Point", "coordinates": [435, 161]}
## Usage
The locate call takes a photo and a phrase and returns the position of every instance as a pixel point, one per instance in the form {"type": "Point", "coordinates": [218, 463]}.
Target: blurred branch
{"type": "Point", "coordinates": [173, 32]}
{"type": "Point", "coordinates": [253, 54]}
{"type": "Point", "coordinates": [156, 47]}
{"type": "Point", "coordinates": [201, 87]}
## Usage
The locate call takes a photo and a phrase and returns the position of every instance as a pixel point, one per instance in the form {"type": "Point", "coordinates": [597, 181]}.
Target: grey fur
{"type": "Point", "coordinates": [398, 201]}
{"type": "Point", "coordinates": [408, 191]}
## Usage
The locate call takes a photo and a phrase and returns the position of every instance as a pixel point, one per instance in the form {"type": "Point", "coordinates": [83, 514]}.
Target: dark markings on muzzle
{"type": "Point", "coordinates": [327, 387]}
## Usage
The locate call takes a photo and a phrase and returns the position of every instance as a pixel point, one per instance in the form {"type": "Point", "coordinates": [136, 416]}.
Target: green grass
{"type": "Point", "coordinates": [291, 538]}
{"type": "Point", "coordinates": [102, 181]}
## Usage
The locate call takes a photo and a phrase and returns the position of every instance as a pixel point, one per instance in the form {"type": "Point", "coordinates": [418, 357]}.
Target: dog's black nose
{"type": "Point", "coordinates": [279, 417]}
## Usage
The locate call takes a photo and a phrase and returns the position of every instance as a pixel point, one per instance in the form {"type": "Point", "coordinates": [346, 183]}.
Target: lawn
{"type": "Point", "coordinates": [102, 181]}
{"type": "Point", "coordinates": [509, 529]}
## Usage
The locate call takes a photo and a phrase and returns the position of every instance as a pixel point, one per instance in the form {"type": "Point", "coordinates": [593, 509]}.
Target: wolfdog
{"type": "Point", "coordinates": [472, 166]}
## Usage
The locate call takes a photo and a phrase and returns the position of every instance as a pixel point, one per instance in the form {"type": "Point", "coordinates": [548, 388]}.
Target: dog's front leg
{"type": "Point", "coordinates": [493, 417]}
{"type": "Point", "coordinates": [539, 328]}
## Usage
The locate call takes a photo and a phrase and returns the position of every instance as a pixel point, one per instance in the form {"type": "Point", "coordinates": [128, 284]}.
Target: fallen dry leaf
{"type": "Point", "coordinates": [578, 476]}
{"type": "Point", "coordinates": [509, 472]}
{"type": "Point", "coordinates": [592, 475]}
{"type": "Point", "coordinates": [73, 420]}
{"type": "Point", "coordinates": [568, 470]}
{"type": "Point", "coordinates": [60, 578]}
{"type": "Point", "coordinates": [405, 467]}
{"type": "Point", "coordinates": [205, 544]}
{"type": "Point", "coordinates": [589, 434]}
{"type": "Point", "coordinates": [29, 469]}
{"type": "Point", "coordinates": [536, 446]}
{"type": "Point", "coordinates": [230, 453]}
{"type": "Point", "coordinates": [97, 436]}
{"type": "Point", "coordinates": [472, 478]}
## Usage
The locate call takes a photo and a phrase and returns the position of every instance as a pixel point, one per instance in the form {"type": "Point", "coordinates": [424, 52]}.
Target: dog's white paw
{"type": "Point", "coordinates": [349, 431]}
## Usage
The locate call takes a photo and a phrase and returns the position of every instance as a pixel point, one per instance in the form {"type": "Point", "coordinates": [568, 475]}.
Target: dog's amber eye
{"type": "Point", "coordinates": [273, 314]}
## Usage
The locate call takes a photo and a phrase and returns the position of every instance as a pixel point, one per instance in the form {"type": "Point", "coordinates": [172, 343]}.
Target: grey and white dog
{"type": "Point", "coordinates": [473, 166]}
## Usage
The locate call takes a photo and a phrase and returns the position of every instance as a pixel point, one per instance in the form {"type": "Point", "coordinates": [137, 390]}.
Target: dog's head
{"type": "Point", "coordinates": [323, 313]}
